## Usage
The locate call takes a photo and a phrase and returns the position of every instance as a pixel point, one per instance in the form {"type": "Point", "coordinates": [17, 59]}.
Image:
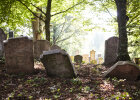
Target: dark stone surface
{"type": "Point", "coordinates": [58, 64]}
{"type": "Point", "coordinates": [40, 46]}
{"type": "Point", "coordinates": [19, 55]}
{"type": "Point", "coordinates": [78, 59]}
{"type": "Point", "coordinates": [111, 51]}
{"type": "Point", "coordinates": [123, 70]}
{"type": "Point", "coordinates": [2, 38]}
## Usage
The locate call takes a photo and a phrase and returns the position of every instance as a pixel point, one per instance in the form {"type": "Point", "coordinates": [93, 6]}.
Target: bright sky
{"type": "Point", "coordinates": [96, 39]}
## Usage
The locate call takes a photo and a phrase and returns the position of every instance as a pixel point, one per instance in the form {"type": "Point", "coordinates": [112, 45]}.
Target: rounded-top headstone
{"type": "Point", "coordinates": [78, 59]}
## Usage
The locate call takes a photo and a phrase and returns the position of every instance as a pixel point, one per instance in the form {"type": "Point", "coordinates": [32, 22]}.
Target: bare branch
{"type": "Point", "coordinates": [68, 9]}
{"type": "Point", "coordinates": [30, 10]}
{"type": "Point", "coordinates": [38, 9]}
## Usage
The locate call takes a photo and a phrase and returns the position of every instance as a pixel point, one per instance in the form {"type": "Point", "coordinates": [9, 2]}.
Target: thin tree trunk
{"type": "Point", "coordinates": [47, 20]}
{"type": "Point", "coordinates": [122, 19]}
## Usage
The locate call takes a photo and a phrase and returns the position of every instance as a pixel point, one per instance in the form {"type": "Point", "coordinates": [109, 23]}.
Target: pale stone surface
{"type": "Point", "coordinates": [2, 38]}
{"type": "Point", "coordinates": [123, 70]}
{"type": "Point", "coordinates": [92, 55]}
{"type": "Point", "coordinates": [55, 47]}
{"type": "Point", "coordinates": [86, 58]}
{"type": "Point", "coordinates": [19, 55]}
{"type": "Point", "coordinates": [58, 64]}
{"type": "Point", "coordinates": [40, 46]}
{"type": "Point", "coordinates": [78, 59]}
{"type": "Point", "coordinates": [100, 60]}
{"type": "Point", "coordinates": [111, 50]}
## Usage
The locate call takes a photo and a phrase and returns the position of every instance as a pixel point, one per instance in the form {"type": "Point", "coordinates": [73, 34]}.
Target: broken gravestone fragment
{"type": "Point", "coordinates": [58, 64]}
{"type": "Point", "coordinates": [123, 70]}
{"type": "Point", "coordinates": [19, 55]}
{"type": "Point", "coordinates": [78, 59]}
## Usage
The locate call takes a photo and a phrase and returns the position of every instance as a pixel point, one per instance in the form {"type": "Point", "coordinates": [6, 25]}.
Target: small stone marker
{"type": "Point", "coordinates": [55, 47]}
{"type": "Point", "coordinates": [2, 38]}
{"type": "Point", "coordinates": [11, 34]}
{"type": "Point", "coordinates": [78, 59]}
{"type": "Point", "coordinates": [19, 55]}
{"type": "Point", "coordinates": [40, 46]}
{"type": "Point", "coordinates": [86, 58]}
{"type": "Point", "coordinates": [92, 55]}
{"type": "Point", "coordinates": [58, 64]}
{"type": "Point", "coordinates": [123, 70]}
{"type": "Point", "coordinates": [111, 50]}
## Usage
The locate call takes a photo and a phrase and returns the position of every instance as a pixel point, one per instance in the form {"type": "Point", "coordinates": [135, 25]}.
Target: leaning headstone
{"type": "Point", "coordinates": [19, 55]}
{"type": "Point", "coordinates": [78, 59]}
{"type": "Point", "coordinates": [2, 38]}
{"type": "Point", "coordinates": [55, 47]}
{"type": "Point", "coordinates": [40, 46]}
{"type": "Point", "coordinates": [123, 70]}
{"type": "Point", "coordinates": [11, 34]}
{"type": "Point", "coordinates": [111, 51]}
{"type": "Point", "coordinates": [58, 64]}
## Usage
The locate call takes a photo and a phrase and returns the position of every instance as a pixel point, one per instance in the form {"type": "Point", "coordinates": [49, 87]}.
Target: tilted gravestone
{"type": "Point", "coordinates": [123, 70]}
{"type": "Point", "coordinates": [111, 50]}
{"type": "Point", "coordinates": [40, 46]}
{"type": "Point", "coordinates": [78, 59]}
{"type": "Point", "coordinates": [19, 55]}
{"type": "Point", "coordinates": [58, 64]}
{"type": "Point", "coordinates": [2, 38]}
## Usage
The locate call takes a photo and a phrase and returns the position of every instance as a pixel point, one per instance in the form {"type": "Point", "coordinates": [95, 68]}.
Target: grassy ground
{"type": "Point", "coordinates": [89, 85]}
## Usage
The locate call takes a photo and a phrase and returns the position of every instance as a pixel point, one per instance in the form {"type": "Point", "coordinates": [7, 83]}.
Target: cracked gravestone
{"type": "Point", "coordinates": [78, 59]}
{"type": "Point", "coordinates": [58, 64]}
{"type": "Point", "coordinates": [123, 70]}
{"type": "Point", "coordinates": [19, 55]}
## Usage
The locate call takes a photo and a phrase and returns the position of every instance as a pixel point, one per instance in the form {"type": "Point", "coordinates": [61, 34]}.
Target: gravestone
{"type": "Point", "coordinates": [78, 59]}
{"type": "Point", "coordinates": [40, 46]}
{"type": "Point", "coordinates": [19, 55]}
{"type": "Point", "coordinates": [58, 64]}
{"type": "Point", "coordinates": [55, 47]}
{"type": "Point", "coordinates": [92, 55]}
{"type": "Point", "coordinates": [123, 70]}
{"type": "Point", "coordinates": [86, 58]}
{"type": "Point", "coordinates": [111, 51]}
{"type": "Point", "coordinates": [2, 38]}
{"type": "Point", "coordinates": [11, 34]}
{"type": "Point", "coordinates": [100, 60]}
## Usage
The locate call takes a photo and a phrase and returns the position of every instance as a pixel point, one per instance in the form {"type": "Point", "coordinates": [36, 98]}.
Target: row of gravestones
{"type": "Point", "coordinates": [19, 58]}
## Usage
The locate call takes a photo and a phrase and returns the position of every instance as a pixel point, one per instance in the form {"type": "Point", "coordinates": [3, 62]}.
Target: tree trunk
{"type": "Point", "coordinates": [122, 19]}
{"type": "Point", "coordinates": [47, 20]}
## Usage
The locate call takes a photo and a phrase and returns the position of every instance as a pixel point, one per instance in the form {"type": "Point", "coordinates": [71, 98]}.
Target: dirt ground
{"type": "Point", "coordinates": [89, 85]}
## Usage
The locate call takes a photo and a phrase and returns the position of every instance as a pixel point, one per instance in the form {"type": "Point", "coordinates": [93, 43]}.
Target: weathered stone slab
{"type": "Point", "coordinates": [78, 59]}
{"type": "Point", "coordinates": [55, 47]}
{"type": "Point", "coordinates": [40, 46]}
{"type": "Point", "coordinates": [19, 55]}
{"type": "Point", "coordinates": [111, 50]}
{"type": "Point", "coordinates": [123, 70]}
{"type": "Point", "coordinates": [2, 38]}
{"type": "Point", "coordinates": [58, 64]}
